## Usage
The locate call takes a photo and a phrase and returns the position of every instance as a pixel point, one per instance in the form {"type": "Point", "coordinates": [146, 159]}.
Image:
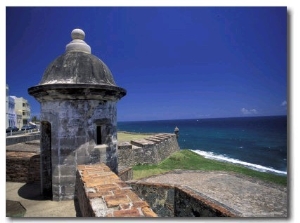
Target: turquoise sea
{"type": "Point", "coordinates": [259, 143]}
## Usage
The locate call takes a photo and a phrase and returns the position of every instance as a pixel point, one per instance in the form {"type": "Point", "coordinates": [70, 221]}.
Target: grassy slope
{"type": "Point", "coordinates": [185, 159]}
{"type": "Point", "coordinates": [188, 160]}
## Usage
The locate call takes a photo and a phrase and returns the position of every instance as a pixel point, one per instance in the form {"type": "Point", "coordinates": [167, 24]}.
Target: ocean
{"type": "Point", "coordinates": [259, 143]}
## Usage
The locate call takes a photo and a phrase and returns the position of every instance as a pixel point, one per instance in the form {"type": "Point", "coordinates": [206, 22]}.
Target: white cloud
{"type": "Point", "coordinates": [249, 112]}
{"type": "Point", "coordinates": [284, 103]}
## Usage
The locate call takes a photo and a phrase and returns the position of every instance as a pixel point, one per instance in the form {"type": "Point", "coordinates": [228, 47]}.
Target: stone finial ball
{"type": "Point", "coordinates": [77, 34]}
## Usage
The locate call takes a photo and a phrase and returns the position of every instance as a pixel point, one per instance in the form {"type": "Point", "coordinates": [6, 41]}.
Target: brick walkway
{"type": "Point", "coordinates": [245, 195]}
{"type": "Point", "coordinates": [108, 195]}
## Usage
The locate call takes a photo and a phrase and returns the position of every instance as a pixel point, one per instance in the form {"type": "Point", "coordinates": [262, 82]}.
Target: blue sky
{"type": "Point", "coordinates": [174, 62]}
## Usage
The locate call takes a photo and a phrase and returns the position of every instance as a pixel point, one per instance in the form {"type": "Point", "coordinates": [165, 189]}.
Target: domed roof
{"type": "Point", "coordinates": [77, 74]}
{"type": "Point", "coordinates": [77, 65]}
{"type": "Point", "coordinates": [77, 68]}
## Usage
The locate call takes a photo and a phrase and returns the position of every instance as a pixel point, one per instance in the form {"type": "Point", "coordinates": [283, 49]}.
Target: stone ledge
{"type": "Point", "coordinates": [104, 194]}
{"type": "Point", "coordinates": [150, 150]}
{"type": "Point", "coordinates": [10, 140]}
{"type": "Point", "coordinates": [142, 143]}
{"type": "Point", "coordinates": [179, 201]}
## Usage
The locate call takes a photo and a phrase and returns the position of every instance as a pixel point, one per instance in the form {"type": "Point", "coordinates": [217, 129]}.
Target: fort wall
{"type": "Point", "coordinates": [151, 150]}
{"type": "Point", "coordinates": [101, 193]}
{"type": "Point", "coordinates": [10, 140]}
{"type": "Point", "coordinates": [179, 201]}
{"type": "Point", "coordinates": [22, 167]}
{"type": "Point", "coordinates": [24, 156]}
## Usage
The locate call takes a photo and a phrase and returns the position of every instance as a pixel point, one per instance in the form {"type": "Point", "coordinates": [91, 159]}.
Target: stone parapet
{"type": "Point", "coordinates": [101, 193]}
{"type": "Point", "coordinates": [178, 201]}
{"type": "Point", "coordinates": [125, 173]}
{"type": "Point", "coordinates": [10, 140]}
{"type": "Point", "coordinates": [151, 150]}
{"type": "Point", "coordinates": [22, 167]}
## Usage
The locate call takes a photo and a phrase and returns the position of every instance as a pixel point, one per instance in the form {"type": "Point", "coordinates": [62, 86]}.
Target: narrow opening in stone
{"type": "Point", "coordinates": [46, 163]}
{"type": "Point", "coordinates": [99, 135]}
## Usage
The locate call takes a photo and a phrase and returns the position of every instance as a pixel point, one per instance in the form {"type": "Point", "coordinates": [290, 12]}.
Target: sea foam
{"type": "Point", "coordinates": [211, 155]}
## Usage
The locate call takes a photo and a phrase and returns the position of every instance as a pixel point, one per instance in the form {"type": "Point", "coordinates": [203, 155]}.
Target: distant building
{"type": "Point", "coordinates": [10, 110]}
{"type": "Point", "coordinates": [22, 111]}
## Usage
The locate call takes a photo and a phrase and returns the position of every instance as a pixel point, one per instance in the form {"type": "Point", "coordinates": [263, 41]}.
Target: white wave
{"type": "Point", "coordinates": [211, 155]}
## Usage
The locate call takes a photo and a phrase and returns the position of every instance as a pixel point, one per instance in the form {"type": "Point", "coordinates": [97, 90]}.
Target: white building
{"type": "Point", "coordinates": [11, 118]}
{"type": "Point", "coordinates": [22, 111]}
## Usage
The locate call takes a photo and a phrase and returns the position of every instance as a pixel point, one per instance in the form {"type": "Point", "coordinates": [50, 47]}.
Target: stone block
{"type": "Point", "coordinates": [66, 141]}
{"type": "Point", "coordinates": [66, 170]}
{"type": "Point", "coordinates": [67, 180]}
{"type": "Point", "coordinates": [124, 145]}
{"type": "Point", "coordinates": [80, 140]}
{"type": "Point", "coordinates": [142, 143]}
{"type": "Point", "coordinates": [116, 200]}
{"type": "Point", "coordinates": [127, 213]}
{"type": "Point", "coordinates": [82, 151]}
{"type": "Point", "coordinates": [98, 207]}
{"type": "Point", "coordinates": [99, 194]}
{"type": "Point", "coordinates": [67, 160]}
{"type": "Point", "coordinates": [140, 204]}
{"type": "Point", "coordinates": [82, 160]}
{"type": "Point", "coordinates": [148, 212]}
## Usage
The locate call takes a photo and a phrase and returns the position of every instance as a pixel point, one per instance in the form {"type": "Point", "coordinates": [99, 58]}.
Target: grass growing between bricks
{"type": "Point", "coordinates": [188, 160]}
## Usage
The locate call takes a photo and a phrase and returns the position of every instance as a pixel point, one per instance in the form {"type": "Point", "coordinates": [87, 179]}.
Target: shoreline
{"type": "Point", "coordinates": [219, 158]}
{"type": "Point", "coordinates": [251, 166]}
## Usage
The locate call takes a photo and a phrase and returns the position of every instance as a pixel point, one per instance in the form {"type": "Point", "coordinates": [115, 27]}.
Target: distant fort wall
{"type": "Point", "coordinates": [151, 150]}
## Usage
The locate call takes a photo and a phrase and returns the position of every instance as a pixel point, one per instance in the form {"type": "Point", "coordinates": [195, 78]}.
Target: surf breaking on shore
{"type": "Point", "coordinates": [213, 156]}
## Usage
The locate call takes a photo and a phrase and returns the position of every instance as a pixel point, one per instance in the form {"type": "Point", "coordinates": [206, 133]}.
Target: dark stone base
{"type": "Point", "coordinates": [14, 209]}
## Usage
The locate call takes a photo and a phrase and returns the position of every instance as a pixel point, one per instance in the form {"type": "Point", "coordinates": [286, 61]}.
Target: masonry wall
{"type": "Point", "coordinates": [73, 141]}
{"type": "Point", "coordinates": [101, 193]}
{"type": "Point", "coordinates": [22, 167]}
{"type": "Point", "coordinates": [150, 150]}
{"type": "Point", "coordinates": [159, 196]}
{"type": "Point", "coordinates": [177, 201]}
{"type": "Point", "coordinates": [125, 173]}
{"type": "Point", "coordinates": [10, 140]}
{"type": "Point", "coordinates": [189, 203]}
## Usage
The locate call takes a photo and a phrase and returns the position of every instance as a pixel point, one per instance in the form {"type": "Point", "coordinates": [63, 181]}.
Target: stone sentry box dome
{"type": "Point", "coordinates": [78, 97]}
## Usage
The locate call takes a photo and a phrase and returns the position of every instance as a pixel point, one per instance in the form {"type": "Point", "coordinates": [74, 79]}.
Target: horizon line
{"type": "Point", "coordinates": [202, 118]}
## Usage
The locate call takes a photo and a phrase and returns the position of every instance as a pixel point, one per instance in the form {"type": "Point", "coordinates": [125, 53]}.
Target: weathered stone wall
{"type": "Point", "coordinates": [74, 140]}
{"type": "Point", "coordinates": [22, 167]}
{"type": "Point", "coordinates": [125, 173]}
{"type": "Point", "coordinates": [101, 193]}
{"type": "Point", "coordinates": [150, 150]}
{"type": "Point", "coordinates": [159, 196]}
{"type": "Point", "coordinates": [189, 203]}
{"type": "Point", "coordinates": [25, 167]}
{"type": "Point", "coordinates": [177, 201]}
{"type": "Point", "coordinates": [10, 140]}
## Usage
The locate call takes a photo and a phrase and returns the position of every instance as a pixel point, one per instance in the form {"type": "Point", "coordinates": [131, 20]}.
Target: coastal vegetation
{"type": "Point", "coordinates": [188, 160]}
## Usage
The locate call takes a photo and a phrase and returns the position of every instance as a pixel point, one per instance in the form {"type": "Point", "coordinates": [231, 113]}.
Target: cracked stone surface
{"type": "Point", "coordinates": [248, 196]}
